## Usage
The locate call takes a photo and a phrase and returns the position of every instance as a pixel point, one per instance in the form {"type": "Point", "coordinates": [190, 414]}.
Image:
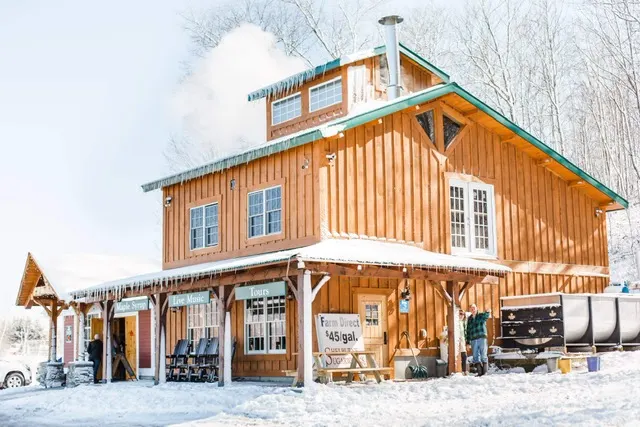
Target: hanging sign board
{"type": "Point", "coordinates": [273, 289]}
{"type": "Point", "coordinates": [132, 305]}
{"type": "Point", "coordinates": [194, 298]}
{"type": "Point", "coordinates": [339, 332]}
{"type": "Point", "coordinates": [404, 306]}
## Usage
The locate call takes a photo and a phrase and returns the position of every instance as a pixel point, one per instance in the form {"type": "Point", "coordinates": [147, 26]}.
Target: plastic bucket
{"type": "Point", "coordinates": [593, 363]}
{"type": "Point", "coordinates": [552, 364]}
{"type": "Point", "coordinates": [564, 365]}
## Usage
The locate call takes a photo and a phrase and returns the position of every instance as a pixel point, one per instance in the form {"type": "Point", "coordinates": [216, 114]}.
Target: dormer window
{"type": "Point", "coordinates": [325, 94]}
{"type": "Point", "coordinates": [286, 109]}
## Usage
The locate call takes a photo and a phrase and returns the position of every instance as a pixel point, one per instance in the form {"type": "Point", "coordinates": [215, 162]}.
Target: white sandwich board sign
{"type": "Point", "coordinates": [338, 332]}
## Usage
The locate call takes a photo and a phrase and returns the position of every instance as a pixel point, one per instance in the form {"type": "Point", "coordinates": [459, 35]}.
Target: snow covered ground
{"type": "Point", "coordinates": [608, 397]}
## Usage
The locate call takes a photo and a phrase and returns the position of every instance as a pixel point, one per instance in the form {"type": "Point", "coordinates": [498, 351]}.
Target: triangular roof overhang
{"type": "Point", "coordinates": [302, 77]}
{"type": "Point", "coordinates": [453, 93]}
{"type": "Point", "coordinates": [34, 286]}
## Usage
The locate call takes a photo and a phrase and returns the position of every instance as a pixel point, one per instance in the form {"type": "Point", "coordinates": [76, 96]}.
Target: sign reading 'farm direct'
{"type": "Point", "coordinates": [339, 332]}
{"type": "Point", "coordinates": [131, 305]}
{"type": "Point", "coordinates": [274, 289]}
{"type": "Point", "coordinates": [194, 298]}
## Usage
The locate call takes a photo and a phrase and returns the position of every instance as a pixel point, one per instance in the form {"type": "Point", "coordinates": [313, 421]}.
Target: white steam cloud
{"type": "Point", "coordinates": [212, 102]}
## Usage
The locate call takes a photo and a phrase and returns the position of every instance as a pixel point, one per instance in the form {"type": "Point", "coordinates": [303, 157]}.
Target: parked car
{"type": "Point", "coordinates": [14, 374]}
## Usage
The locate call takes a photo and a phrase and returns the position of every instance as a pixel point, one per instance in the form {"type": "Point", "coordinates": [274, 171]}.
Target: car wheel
{"type": "Point", "coordinates": [14, 380]}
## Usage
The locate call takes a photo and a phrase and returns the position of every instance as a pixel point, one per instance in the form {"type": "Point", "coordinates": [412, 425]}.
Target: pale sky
{"type": "Point", "coordinates": [85, 94]}
{"type": "Point", "coordinates": [86, 91]}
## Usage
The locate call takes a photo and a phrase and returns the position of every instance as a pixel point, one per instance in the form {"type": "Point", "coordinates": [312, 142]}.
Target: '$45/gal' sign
{"type": "Point", "coordinates": [344, 337]}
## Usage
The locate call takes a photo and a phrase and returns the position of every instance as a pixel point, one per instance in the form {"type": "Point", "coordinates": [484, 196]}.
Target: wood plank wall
{"type": "Point", "coordinates": [300, 213]}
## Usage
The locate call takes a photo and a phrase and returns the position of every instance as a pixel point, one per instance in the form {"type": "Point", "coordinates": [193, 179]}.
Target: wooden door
{"type": "Point", "coordinates": [131, 341]}
{"type": "Point", "coordinates": [96, 328]}
{"type": "Point", "coordinates": [373, 315]}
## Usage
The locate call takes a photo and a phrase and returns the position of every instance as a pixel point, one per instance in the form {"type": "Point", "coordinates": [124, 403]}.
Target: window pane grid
{"type": "Point", "coordinates": [325, 95]}
{"type": "Point", "coordinates": [458, 229]}
{"type": "Point", "coordinates": [202, 322]}
{"type": "Point", "coordinates": [265, 212]}
{"type": "Point", "coordinates": [204, 226]}
{"type": "Point", "coordinates": [265, 325]}
{"type": "Point", "coordinates": [481, 219]}
{"type": "Point", "coordinates": [286, 109]}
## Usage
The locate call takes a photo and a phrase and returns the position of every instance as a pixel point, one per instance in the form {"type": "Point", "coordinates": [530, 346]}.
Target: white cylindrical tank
{"type": "Point", "coordinates": [629, 309]}
{"type": "Point", "coordinates": [603, 318]}
{"type": "Point", "coordinates": [575, 308]}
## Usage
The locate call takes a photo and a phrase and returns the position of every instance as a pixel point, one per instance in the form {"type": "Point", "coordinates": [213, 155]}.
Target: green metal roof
{"type": "Point", "coordinates": [296, 80]}
{"type": "Point", "coordinates": [349, 122]}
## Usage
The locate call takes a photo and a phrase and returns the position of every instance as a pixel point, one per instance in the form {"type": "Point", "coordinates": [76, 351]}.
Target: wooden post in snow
{"type": "Point", "coordinates": [452, 318]}
{"type": "Point", "coordinates": [305, 343]}
{"type": "Point", "coordinates": [80, 316]}
{"type": "Point", "coordinates": [160, 311]}
{"type": "Point", "coordinates": [52, 332]}
{"type": "Point", "coordinates": [222, 336]}
{"type": "Point", "coordinates": [106, 341]}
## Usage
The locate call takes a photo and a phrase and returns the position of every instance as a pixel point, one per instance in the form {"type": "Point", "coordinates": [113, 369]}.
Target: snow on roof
{"type": "Point", "coordinates": [352, 251]}
{"type": "Point", "coordinates": [68, 272]}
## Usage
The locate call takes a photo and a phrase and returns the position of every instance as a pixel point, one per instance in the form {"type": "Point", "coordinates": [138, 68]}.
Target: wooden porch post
{"type": "Point", "coordinates": [80, 316]}
{"type": "Point", "coordinates": [222, 335]}
{"type": "Point", "coordinates": [52, 332]}
{"type": "Point", "coordinates": [305, 343]}
{"type": "Point", "coordinates": [160, 311]}
{"type": "Point", "coordinates": [106, 341]}
{"type": "Point", "coordinates": [452, 290]}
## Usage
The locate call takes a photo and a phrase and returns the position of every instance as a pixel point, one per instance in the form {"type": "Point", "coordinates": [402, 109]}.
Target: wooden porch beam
{"type": "Point", "coordinates": [106, 341]}
{"type": "Point", "coordinates": [291, 286]}
{"type": "Point", "coordinates": [160, 313]}
{"type": "Point", "coordinates": [230, 298]}
{"type": "Point", "coordinates": [305, 348]}
{"type": "Point", "coordinates": [442, 291]}
{"type": "Point", "coordinates": [319, 286]}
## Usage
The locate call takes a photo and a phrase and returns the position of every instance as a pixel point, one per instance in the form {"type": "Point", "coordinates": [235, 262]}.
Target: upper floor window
{"type": "Point", "coordinates": [326, 94]}
{"type": "Point", "coordinates": [472, 218]}
{"type": "Point", "coordinates": [204, 226]}
{"type": "Point", "coordinates": [286, 109]}
{"type": "Point", "coordinates": [265, 212]}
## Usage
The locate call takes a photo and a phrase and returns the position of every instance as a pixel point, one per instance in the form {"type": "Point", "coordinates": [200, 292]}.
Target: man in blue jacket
{"type": "Point", "coordinates": [476, 337]}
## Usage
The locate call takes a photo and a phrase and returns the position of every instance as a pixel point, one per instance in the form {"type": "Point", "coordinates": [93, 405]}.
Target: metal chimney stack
{"type": "Point", "coordinates": [393, 53]}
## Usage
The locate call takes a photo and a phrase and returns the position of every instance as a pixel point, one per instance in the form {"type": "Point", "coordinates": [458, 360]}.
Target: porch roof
{"type": "Point", "coordinates": [335, 251]}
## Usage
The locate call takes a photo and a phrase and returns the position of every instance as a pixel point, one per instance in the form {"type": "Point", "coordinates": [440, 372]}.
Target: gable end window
{"type": "Point", "coordinates": [427, 124]}
{"type": "Point", "coordinates": [451, 129]}
{"type": "Point", "coordinates": [472, 217]}
{"type": "Point", "coordinates": [286, 109]}
{"type": "Point", "coordinates": [204, 226]}
{"type": "Point", "coordinates": [326, 94]}
{"type": "Point", "coordinates": [265, 212]}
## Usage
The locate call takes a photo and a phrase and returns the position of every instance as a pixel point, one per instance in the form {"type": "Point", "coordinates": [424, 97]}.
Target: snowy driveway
{"type": "Point", "coordinates": [609, 397]}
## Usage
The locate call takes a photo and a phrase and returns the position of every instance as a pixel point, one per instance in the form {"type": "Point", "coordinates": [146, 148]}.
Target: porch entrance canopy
{"type": "Point", "coordinates": [336, 252]}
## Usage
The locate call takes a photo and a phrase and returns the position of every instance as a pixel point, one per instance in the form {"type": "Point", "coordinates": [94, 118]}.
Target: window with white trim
{"type": "Point", "coordinates": [325, 94]}
{"type": "Point", "coordinates": [87, 329]}
{"type": "Point", "coordinates": [265, 325]}
{"type": "Point", "coordinates": [472, 216]}
{"type": "Point", "coordinates": [202, 322]}
{"type": "Point", "coordinates": [204, 226]}
{"type": "Point", "coordinates": [286, 109]}
{"type": "Point", "coordinates": [265, 212]}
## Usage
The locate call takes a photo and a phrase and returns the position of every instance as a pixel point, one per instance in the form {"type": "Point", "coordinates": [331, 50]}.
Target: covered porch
{"type": "Point", "coordinates": [306, 272]}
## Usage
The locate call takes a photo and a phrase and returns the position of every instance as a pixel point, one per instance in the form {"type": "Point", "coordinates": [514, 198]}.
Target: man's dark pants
{"type": "Point", "coordinates": [96, 369]}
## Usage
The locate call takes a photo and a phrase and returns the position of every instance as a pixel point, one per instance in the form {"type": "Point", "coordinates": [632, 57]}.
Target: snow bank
{"type": "Point", "coordinates": [511, 399]}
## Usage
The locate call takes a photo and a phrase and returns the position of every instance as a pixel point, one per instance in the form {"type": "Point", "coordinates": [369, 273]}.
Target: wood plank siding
{"type": "Point", "coordinates": [301, 221]}
{"type": "Point", "coordinates": [389, 181]}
